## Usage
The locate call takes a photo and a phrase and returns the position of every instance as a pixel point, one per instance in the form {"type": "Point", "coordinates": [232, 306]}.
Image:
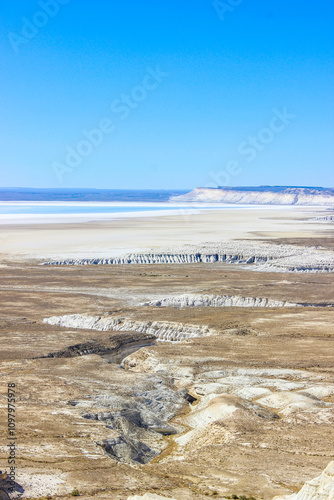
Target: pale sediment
{"type": "Point", "coordinates": [199, 300]}
{"type": "Point", "coordinates": [260, 196]}
{"type": "Point", "coordinates": [231, 398]}
{"type": "Point", "coordinates": [261, 257]}
{"type": "Point", "coordinates": [162, 330]}
{"type": "Point", "coordinates": [202, 300]}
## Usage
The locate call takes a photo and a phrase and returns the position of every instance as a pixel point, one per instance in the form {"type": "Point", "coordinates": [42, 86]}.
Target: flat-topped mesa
{"type": "Point", "coordinates": [161, 330]}
{"type": "Point", "coordinates": [260, 257]}
{"type": "Point", "coordinates": [198, 300]}
{"type": "Point", "coordinates": [261, 195]}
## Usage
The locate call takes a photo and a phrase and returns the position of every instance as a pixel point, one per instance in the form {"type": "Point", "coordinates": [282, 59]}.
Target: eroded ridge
{"type": "Point", "coordinates": [201, 300]}
{"type": "Point", "coordinates": [230, 398]}
{"type": "Point", "coordinates": [139, 422]}
{"type": "Point", "coordinates": [161, 330]}
{"type": "Point", "coordinates": [261, 257]}
{"type": "Point", "coordinates": [113, 349]}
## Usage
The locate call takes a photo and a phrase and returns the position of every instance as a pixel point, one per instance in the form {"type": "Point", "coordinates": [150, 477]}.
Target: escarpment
{"type": "Point", "coordinates": [203, 300]}
{"type": "Point", "coordinates": [260, 257]}
{"type": "Point", "coordinates": [162, 330]}
{"type": "Point", "coordinates": [260, 195]}
{"type": "Point", "coordinates": [199, 300]}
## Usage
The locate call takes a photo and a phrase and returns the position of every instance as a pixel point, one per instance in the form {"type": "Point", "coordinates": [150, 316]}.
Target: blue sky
{"type": "Point", "coordinates": [166, 94]}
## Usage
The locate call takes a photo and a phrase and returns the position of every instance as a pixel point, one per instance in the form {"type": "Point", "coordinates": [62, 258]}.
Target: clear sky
{"type": "Point", "coordinates": [166, 94]}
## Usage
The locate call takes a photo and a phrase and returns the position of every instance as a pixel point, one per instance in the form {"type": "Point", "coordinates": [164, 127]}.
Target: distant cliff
{"type": "Point", "coordinates": [262, 195]}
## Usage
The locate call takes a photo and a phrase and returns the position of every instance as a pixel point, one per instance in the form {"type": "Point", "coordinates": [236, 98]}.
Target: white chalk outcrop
{"type": "Point", "coordinates": [260, 196]}
{"type": "Point", "coordinates": [261, 257]}
{"type": "Point", "coordinates": [286, 402]}
{"type": "Point", "coordinates": [162, 330]}
{"type": "Point", "coordinates": [227, 394]}
{"type": "Point", "coordinates": [198, 300]}
{"type": "Point", "coordinates": [211, 410]}
{"type": "Point", "coordinates": [320, 488]}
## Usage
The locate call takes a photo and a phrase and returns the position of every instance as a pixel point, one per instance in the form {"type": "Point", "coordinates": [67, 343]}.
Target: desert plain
{"type": "Point", "coordinates": [201, 366]}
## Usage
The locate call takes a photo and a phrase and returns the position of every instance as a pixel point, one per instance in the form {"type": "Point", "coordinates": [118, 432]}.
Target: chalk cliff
{"type": "Point", "coordinates": [198, 300]}
{"type": "Point", "coordinates": [261, 257]}
{"type": "Point", "coordinates": [262, 195]}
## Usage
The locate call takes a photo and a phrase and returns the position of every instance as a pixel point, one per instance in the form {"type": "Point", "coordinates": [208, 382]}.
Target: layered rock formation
{"type": "Point", "coordinates": [114, 350]}
{"type": "Point", "coordinates": [140, 421]}
{"type": "Point", "coordinates": [262, 195]}
{"type": "Point", "coordinates": [201, 300]}
{"type": "Point", "coordinates": [162, 330]}
{"type": "Point", "coordinates": [198, 300]}
{"type": "Point", "coordinates": [232, 397]}
{"type": "Point", "coordinates": [261, 257]}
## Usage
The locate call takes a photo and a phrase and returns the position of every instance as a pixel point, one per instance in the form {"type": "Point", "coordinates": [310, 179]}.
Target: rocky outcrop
{"type": "Point", "coordinates": [4, 495]}
{"type": "Point", "coordinates": [141, 421]}
{"type": "Point", "coordinates": [198, 300]}
{"type": "Point", "coordinates": [240, 394]}
{"type": "Point", "coordinates": [113, 350]}
{"type": "Point", "coordinates": [125, 449]}
{"type": "Point", "coordinates": [263, 195]}
{"type": "Point", "coordinates": [320, 488]}
{"type": "Point", "coordinates": [5, 485]}
{"type": "Point", "coordinates": [161, 330]}
{"type": "Point", "coordinates": [261, 257]}
{"type": "Point", "coordinates": [166, 258]}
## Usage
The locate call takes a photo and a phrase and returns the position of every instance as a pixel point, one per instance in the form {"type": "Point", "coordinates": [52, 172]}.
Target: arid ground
{"type": "Point", "coordinates": [245, 407]}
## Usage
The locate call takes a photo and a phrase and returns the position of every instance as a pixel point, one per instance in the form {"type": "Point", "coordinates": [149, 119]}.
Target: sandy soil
{"type": "Point", "coordinates": [261, 421]}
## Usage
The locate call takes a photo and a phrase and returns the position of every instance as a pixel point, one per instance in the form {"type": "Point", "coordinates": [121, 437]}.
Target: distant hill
{"type": "Point", "coordinates": [261, 195]}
